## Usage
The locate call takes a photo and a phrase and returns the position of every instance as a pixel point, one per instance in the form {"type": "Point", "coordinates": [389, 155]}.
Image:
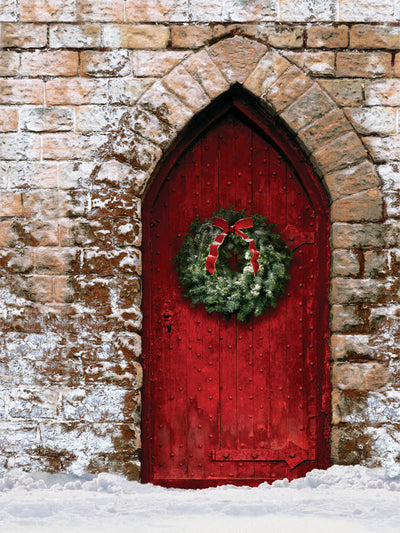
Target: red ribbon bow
{"type": "Point", "coordinates": [243, 223]}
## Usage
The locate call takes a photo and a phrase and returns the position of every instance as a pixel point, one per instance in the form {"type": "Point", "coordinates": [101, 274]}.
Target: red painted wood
{"type": "Point", "coordinates": [226, 402]}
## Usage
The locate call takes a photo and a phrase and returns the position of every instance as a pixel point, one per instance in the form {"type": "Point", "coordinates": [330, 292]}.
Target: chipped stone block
{"type": "Point", "coordinates": [345, 263]}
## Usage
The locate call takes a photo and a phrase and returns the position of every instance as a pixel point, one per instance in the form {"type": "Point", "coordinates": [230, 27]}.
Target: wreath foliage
{"type": "Point", "coordinates": [234, 292]}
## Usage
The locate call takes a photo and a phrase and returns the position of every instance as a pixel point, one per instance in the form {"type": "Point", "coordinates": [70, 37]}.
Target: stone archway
{"type": "Point", "coordinates": [325, 135]}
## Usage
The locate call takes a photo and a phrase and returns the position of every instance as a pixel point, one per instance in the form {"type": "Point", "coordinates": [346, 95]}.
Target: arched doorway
{"type": "Point", "coordinates": [227, 402]}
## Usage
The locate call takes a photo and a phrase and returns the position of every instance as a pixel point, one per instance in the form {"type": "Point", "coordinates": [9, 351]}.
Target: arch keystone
{"type": "Point", "coordinates": [236, 57]}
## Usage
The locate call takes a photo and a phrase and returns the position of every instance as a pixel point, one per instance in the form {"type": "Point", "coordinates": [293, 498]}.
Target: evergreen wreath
{"type": "Point", "coordinates": [245, 290]}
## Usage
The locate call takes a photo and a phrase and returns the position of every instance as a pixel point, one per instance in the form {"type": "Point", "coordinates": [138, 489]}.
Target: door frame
{"type": "Point", "coordinates": [271, 127]}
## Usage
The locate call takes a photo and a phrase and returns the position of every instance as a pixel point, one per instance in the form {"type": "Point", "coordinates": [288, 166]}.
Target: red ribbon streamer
{"type": "Point", "coordinates": [243, 223]}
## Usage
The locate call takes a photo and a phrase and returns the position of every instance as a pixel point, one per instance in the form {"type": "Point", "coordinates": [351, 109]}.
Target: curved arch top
{"type": "Point", "coordinates": [322, 130]}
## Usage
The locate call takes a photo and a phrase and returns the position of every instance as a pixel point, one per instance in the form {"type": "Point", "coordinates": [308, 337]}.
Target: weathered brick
{"type": "Point", "coordinates": [236, 67]}
{"type": "Point", "coordinates": [190, 36]}
{"type": "Point", "coordinates": [76, 92]}
{"type": "Point", "coordinates": [382, 92]}
{"type": "Point", "coordinates": [45, 63]}
{"type": "Point", "coordinates": [54, 260]}
{"type": "Point", "coordinates": [345, 263]}
{"type": "Point", "coordinates": [63, 292]}
{"type": "Point", "coordinates": [135, 36]}
{"type": "Point", "coordinates": [97, 118]}
{"type": "Point", "coordinates": [287, 88]}
{"type": "Point", "coordinates": [285, 36]}
{"type": "Point", "coordinates": [366, 10]}
{"type": "Point", "coordinates": [77, 175]}
{"type": "Point", "coordinates": [113, 204]}
{"type": "Point", "coordinates": [349, 291]}
{"type": "Point", "coordinates": [359, 376]}
{"type": "Point", "coordinates": [75, 36]}
{"type": "Point", "coordinates": [345, 318]}
{"type": "Point", "coordinates": [72, 146]}
{"type": "Point", "coordinates": [9, 11]}
{"type": "Point", "coordinates": [155, 64]}
{"type": "Point", "coordinates": [364, 64]}
{"type": "Point", "coordinates": [357, 235]}
{"type": "Point", "coordinates": [316, 63]}
{"type": "Point", "coordinates": [383, 148]}
{"type": "Point", "coordinates": [125, 91]}
{"type": "Point", "coordinates": [106, 263]}
{"type": "Point", "coordinates": [351, 180]}
{"type": "Point", "coordinates": [17, 35]}
{"type": "Point", "coordinates": [157, 11]}
{"type": "Point", "coordinates": [268, 70]}
{"type": "Point", "coordinates": [11, 204]}
{"type": "Point", "coordinates": [363, 206]}
{"type": "Point", "coordinates": [308, 107]}
{"type": "Point", "coordinates": [101, 10]}
{"type": "Point", "coordinates": [181, 83]}
{"type": "Point", "coordinates": [328, 36]}
{"type": "Point", "coordinates": [45, 11]}
{"type": "Point", "coordinates": [149, 126]}
{"type": "Point", "coordinates": [351, 346]}
{"type": "Point", "coordinates": [17, 146]}
{"type": "Point", "coordinates": [374, 120]}
{"type": "Point", "coordinates": [20, 262]}
{"type": "Point", "coordinates": [105, 64]}
{"type": "Point", "coordinates": [166, 105]}
{"type": "Point", "coordinates": [115, 174]}
{"type": "Point", "coordinates": [29, 174]}
{"type": "Point", "coordinates": [376, 263]}
{"type": "Point", "coordinates": [307, 11]}
{"type": "Point", "coordinates": [344, 92]}
{"type": "Point", "coordinates": [9, 63]}
{"type": "Point", "coordinates": [8, 119]}
{"type": "Point", "coordinates": [372, 37]}
{"type": "Point", "coordinates": [206, 73]}
{"type": "Point", "coordinates": [324, 130]}
{"type": "Point", "coordinates": [340, 153]}
{"type": "Point", "coordinates": [47, 119]}
{"type": "Point", "coordinates": [21, 91]}
{"type": "Point", "coordinates": [49, 204]}
{"type": "Point", "coordinates": [347, 405]}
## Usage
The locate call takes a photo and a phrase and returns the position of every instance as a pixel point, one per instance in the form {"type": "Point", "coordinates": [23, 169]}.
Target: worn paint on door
{"type": "Point", "coordinates": [224, 401]}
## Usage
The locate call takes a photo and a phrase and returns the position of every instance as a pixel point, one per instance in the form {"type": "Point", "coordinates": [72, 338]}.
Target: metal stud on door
{"type": "Point", "coordinates": [224, 401]}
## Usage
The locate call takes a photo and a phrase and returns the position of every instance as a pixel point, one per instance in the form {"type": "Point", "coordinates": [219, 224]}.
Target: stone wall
{"type": "Point", "coordinates": [92, 94]}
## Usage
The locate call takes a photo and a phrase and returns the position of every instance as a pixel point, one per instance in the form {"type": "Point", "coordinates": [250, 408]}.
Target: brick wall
{"type": "Point", "coordinates": [92, 93]}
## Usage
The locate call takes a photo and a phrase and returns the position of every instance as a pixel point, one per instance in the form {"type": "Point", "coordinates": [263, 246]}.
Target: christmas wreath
{"type": "Point", "coordinates": [206, 269]}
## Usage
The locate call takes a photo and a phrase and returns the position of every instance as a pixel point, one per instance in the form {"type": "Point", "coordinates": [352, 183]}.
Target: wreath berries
{"type": "Point", "coordinates": [257, 280]}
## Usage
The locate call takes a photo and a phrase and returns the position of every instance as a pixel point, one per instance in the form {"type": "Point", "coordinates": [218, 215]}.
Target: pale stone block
{"type": "Point", "coordinates": [327, 128]}
{"type": "Point", "coordinates": [373, 120]}
{"type": "Point", "coordinates": [236, 57]}
{"type": "Point", "coordinates": [180, 82]}
{"type": "Point", "coordinates": [383, 149]}
{"type": "Point", "coordinates": [47, 119]}
{"type": "Point", "coordinates": [359, 376]}
{"type": "Point", "coordinates": [206, 73]}
{"type": "Point", "coordinates": [304, 11]}
{"type": "Point", "coordinates": [75, 36]}
{"type": "Point", "coordinates": [344, 92]}
{"type": "Point", "coordinates": [166, 105]}
{"type": "Point", "coordinates": [155, 63]}
{"type": "Point", "coordinates": [345, 318]}
{"type": "Point", "coordinates": [287, 88]}
{"type": "Point", "coordinates": [21, 35]}
{"type": "Point", "coordinates": [344, 346]}
{"type": "Point", "coordinates": [105, 64]}
{"type": "Point", "coordinates": [382, 92]}
{"type": "Point", "coordinates": [363, 206]}
{"type": "Point", "coordinates": [345, 263]}
{"type": "Point", "coordinates": [340, 153]}
{"type": "Point", "coordinates": [357, 235]}
{"type": "Point", "coordinates": [135, 36]}
{"type": "Point", "coordinates": [351, 180]}
{"type": "Point", "coordinates": [310, 106]}
{"type": "Point", "coordinates": [270, 67]}
{"type": "Point", "coordinates": [126, 91]}
{"type": "Point", "coordinates": [19, 146]}
{"type": "Point", "coordinates": [366, 10]}
{"type": "Point", "coordinates": [76, 91]}
{"type": "Point", "coordinates": [370, 37]}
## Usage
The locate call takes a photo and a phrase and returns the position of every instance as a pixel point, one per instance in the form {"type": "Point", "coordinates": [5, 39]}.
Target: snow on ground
{"type": "Point", "coordinates": [341, 499]}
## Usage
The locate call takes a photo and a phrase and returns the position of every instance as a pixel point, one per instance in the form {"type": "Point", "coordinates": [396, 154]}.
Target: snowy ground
{"type": "Point", "coordinates": [340, 500]}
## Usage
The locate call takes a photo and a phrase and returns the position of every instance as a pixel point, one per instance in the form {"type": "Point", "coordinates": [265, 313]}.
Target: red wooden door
{"type": "Point", "coordinates": [224, 401]}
